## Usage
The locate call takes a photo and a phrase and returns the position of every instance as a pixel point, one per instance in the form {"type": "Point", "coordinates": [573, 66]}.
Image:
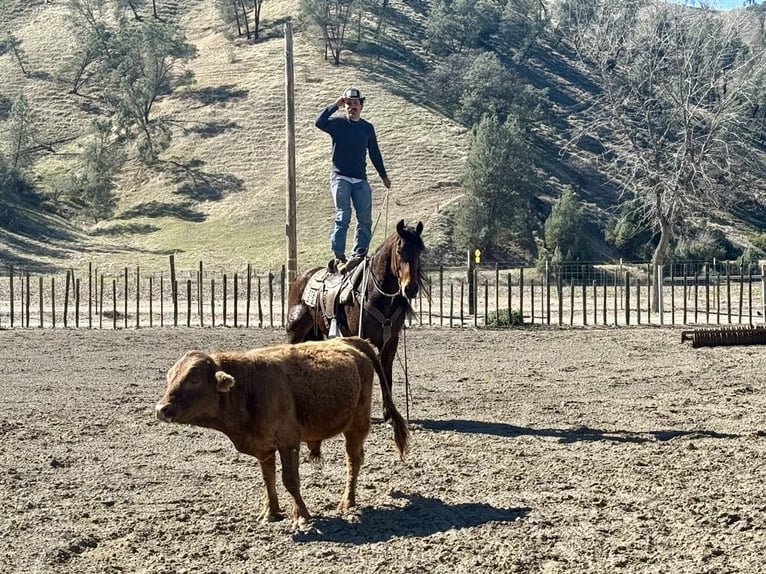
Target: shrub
{"type": "Point", "coordinates": [759, 240]}
{"type": "Point", "coordinates": [749, 260]}
{"type": "Point", "coordinates": [705, 246]}
{"type": "Point", "coordinates": [504, 318]}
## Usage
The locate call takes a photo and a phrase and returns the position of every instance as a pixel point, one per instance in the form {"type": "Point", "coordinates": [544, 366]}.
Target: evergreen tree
{"type": "Point", "coordinates": [499, 182]}
{"type": "Point", "coordinates": [564, 229]}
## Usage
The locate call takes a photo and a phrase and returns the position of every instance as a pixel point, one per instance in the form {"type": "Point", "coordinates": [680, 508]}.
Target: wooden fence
{"type": "Point", "coordinates": [606, 295]}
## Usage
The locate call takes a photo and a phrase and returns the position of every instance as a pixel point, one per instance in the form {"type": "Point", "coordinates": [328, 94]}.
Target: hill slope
{"type": "Point", "coordinates": [232, 128]}
{"type": "Point", "coordinates": [219, 196]}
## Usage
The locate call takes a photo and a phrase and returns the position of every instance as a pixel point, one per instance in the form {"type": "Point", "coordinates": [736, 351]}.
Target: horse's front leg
{"type": "Point", "coordinates": [387, 356]}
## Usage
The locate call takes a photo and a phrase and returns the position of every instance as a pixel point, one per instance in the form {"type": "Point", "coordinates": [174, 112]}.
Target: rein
{"type": "Point", "coordinates": [367, 307]}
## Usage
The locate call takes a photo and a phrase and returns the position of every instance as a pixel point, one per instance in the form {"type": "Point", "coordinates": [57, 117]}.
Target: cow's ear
{"type": "Point", "coordinates": [223, 381]}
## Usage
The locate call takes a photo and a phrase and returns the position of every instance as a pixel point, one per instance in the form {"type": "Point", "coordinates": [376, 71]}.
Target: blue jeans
{"type": "Point", "coordinates": [344, 194]}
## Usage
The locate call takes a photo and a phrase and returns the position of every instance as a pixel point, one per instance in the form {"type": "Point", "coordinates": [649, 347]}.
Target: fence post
{"type": "Point", "coordinates": [741, 291]}
{"type": "Point", "coordinates": [509, 299]}
{"type": "Point", "coordinates": [696, 295]}
{"type": "Point", "coordinates": [53, 302]}
{"type": "Point", "coordinates": [707, 293]}
{"type": "Point", "coordinates": [750, 294]}
{"type": "Point", "coordinates": [521, 293]}
{"type": "Point", "coordinates": [547, 295]}
{"type": "Point", "coordinates": [451, 302]}
{"type": "Point", "coordinates": [571, 301]}
{"type": "Point", "coordinates": [151, 301]}
{"type": "Point", "coordinates": [763, 292]}
{"type": "Point", "coordinates": [40, 294]}
{"type": "Point", "coordinates": [271, 299]}
{"type": "Point", "coordinates": [429, 284]}
{"type": "Point", "coordinates": [76, 302]}
{"type": "Point", "coordinates": [10, 282]}
{"type": "Point", "coordinates": [249, 293]}
{"type": "Point", "coordinates": [649, 293]}
{"type": "Point", "coordinates": [584, 288]}
{"type": "Point", "coordinates": [188, 302]}
{"type": "Point", "coordinates": [27, 301]}
{"type": "Point", "coordinates": [212, 301]}
{"type": "Point", "coordinates": [260, 306]}
{"type": "Point", "coordinates": [658, 275]}
{"type": "Point", "coordinates": [90, 294]}
{"type": "Point", "coordinates": [627, 298]}
{"type": "Point", "coordinates": [224, 298]}
{"type": "Point", "coordinates": [672, 295]}
{"type": "Point", "coordinates": [441, 297]}
{"type": "Point", "coordinates": [236, 288]}
{"type": "Point", "coordinates": [497, 292]}
{"type": "Point", "coordinates": [138, 296]}
{"type": "Point", "coordinates": [101, 304]}
{"type": "Point", "coordinates": [728, 294]}
{"type": "Point", "coordinates": [282, 289]}
{"type": "Point", "coordinates": [174, 289]}
{"type": "Point", "coordinates": [66, 299]}
{"type": "Point", "coordinates": [200, 298]}
{"type": "Point", "coordinates": [595, 303]}
{"type": "Point", "coordinates": [469, 277]}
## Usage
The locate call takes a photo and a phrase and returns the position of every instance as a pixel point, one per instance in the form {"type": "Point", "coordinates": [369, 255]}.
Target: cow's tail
{"type": "Point", "coordinates": [401, 432]}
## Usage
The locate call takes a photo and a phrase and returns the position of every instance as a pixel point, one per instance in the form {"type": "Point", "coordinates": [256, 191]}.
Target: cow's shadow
{"type": "Point", "coordinates": [420, 516]}
{"type": "Point", "coordinates": [565, 435]}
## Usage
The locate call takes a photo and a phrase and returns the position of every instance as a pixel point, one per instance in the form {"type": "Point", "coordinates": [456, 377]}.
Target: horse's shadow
{"type": "Point", "coordinates": [571, 435]}
{"type": "Point", "coordinates": [421, 516]}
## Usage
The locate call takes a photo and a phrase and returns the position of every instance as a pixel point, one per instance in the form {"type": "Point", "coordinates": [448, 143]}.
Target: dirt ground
{"type": "Point", "coordinates": [535, 451]}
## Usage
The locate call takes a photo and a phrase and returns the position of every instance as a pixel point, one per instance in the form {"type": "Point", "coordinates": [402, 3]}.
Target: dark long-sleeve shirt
{"type": "Point", "coordinates": [351, 140]}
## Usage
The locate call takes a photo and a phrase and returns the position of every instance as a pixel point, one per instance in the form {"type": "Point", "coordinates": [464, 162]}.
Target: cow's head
{"type": "Point", "coordinates": [192, 390]}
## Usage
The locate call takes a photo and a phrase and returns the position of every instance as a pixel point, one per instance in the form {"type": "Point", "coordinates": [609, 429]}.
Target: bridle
{"type": "Point", "coordinates": [368, 307]}
{"type": "Point", "coordinates": [394, 267]}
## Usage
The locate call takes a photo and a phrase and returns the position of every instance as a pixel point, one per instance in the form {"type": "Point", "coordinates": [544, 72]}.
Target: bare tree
{"type": "Point", "coordinates": [332, 18]}
{"type": "Point", "coordinates": [21, 134]}
{"type": "Point", "coordinates": [257, 4]}
{"type": "Point", "coordinates": [13, 45]}
{"type": "Point", "coordinates": [677, 88]}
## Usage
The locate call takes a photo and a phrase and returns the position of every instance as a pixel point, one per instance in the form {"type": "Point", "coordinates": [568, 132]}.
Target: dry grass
{"type": "Point", "coordinates": [242, 218]}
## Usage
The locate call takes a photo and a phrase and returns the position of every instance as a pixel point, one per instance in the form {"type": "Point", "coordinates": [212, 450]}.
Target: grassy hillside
{"type": "Point", "coordinates": [231, 126]}
{"type": "Point", "coordinates": [219, 195]}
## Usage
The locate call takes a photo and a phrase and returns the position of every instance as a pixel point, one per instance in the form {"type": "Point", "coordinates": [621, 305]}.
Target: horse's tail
{"type": "Point", "coordinates": [401, 432]}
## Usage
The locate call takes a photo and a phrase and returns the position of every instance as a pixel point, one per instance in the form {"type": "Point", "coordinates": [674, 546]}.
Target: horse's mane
{"type": "Point", "coordinates": [410, 237]}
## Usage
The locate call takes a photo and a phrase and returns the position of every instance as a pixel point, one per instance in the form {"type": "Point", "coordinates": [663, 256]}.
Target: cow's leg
{"type": "Point", "coordinates": [354, 457]}
{"type": "Point", "coordinates": [291, 480]}
{"type": "Point", "coordinates": [270, 511]}
{"type": "Point", "coordinates": [387, 356]}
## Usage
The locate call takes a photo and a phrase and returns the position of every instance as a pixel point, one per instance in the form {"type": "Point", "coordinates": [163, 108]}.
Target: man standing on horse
{"type": "Point", "coordinates": [352, 139]}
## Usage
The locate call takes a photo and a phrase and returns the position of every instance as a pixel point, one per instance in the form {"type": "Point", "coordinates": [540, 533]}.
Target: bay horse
{"type": "Point", "coordinates": [392, 275]}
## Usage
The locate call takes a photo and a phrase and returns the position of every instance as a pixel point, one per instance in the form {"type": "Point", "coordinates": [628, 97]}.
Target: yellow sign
{"type": "Point", "coordinates": [477, 256]}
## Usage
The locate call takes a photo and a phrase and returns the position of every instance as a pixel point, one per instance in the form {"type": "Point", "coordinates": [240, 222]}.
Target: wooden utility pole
{"type": "Point", "coordinates": [292, 249]}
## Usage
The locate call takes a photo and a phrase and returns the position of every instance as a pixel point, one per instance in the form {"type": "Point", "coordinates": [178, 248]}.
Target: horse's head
{"type": "Point", "coordinates": [405, 258]}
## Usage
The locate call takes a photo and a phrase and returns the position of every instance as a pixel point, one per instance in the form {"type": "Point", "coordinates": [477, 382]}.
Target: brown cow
{"type": "Point", "coordinates": [272, 399]}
